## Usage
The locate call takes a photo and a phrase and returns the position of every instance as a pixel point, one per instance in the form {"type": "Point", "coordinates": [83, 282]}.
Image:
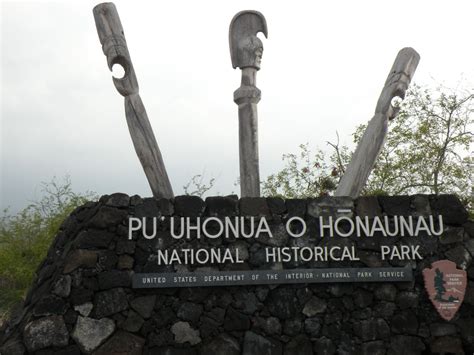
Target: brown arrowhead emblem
{"type": "Point", "coordinates": [446, 286]}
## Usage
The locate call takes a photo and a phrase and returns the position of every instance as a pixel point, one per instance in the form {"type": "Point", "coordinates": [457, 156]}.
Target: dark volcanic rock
{"type": "Point", "coordinates": [208, 327]}
{"type": "Point", "coordinates": [270, 325]}
{"type": "Point", "coordinates": [447, 345]}
{"type": "Point", "coordinates": [144, 305]}
{"type": "Point", "coordinates": [366, 329]}
{"type": "Point", "coordinates": [219, 206]}
{"type": "Point", "coordinates": [373, 348]}
{"type": "Point", "coordinates": [282, 303]}
{"type": "Point", "coordinates": [50, 305]}
{"type": "Point", "coordinates": [147, 208]}
{"type": "Point", "coordinates": [452, 235]}
{"type": "Point", "coordinates": [386, 292]}
{"type": "Point", "coordinates": [125, 262]}
{"type": "Point", "coordinates": [407, 299]}
{"type": "Point", "coordinates": [107, 216]}
{"type": "Point", "coordinates": [384, 309]}
{"type": "Point", "coordinates": [292, 326]}
{"type": "Point", "coordinates": [299, 345]}
{"type": "Point", "coordinates": [383, 330]}
{"type": "Point", "coordinates": [110, 302]}
{"type": "Point", "coordinates": [312, 326]}
{"type": "Point", "coordinates": [363, 298]}
{"type": "Point", "coordinates": [467, 330]}
{"type": "Point", "coordinates": [184, 333]}
{"type": "Point", "coordinates": [296, 207]}
{"type": "Point", "coordinates": [255, 344]}
{"type": "Point", "coordinates": [13, 347]}
{"type": "Point", "coordinates": [194, 294]}
{"type": "Point", "coordinates": [93, 238]}
{"type": "Point", "coordinates": [62, 286]}
{"type": "Point", "coordinates": [246, 301]}
{"type": "Point", "coordinates": [368, 206]}
{"type": "Point", "coordinates": [112, 279]}
{"type": "Point", "coordinates": [460, 256]}
{"type": "Point", "coordinates": [163, 317]}
{"type": "Point", "coordinates": [442, 329]}
{"type": "Point", "coordinates": [190, 311]}
{"type": "Point", "coordinates": [122, 343]}
{"type": "Point", "coordinates": [189, 206]}
{"type": "Point", "coordinates": [80, 258]}
{"type": "Point", "coordinates": [421, 204]}
{"type": "Point", "coordinates": [80, 296]}
{"type": "Point", "coordinates": [119, 200]}
{"type": "Point", "coordinates": [89, 333]}
{"type": "Point", "coordinates": [160, 338]}
{"type": "Point", "coordinates": [223, 344]}
{"type": "Point", "coordinates": [69, 350]}
{"type": "Point", "coordinates": [253, 206]}
{"type": "Point", "coordinates": [314, 306]}
{"type": "Point", "coordinates": [405, 322]}
{"type": "Point", "coordinates": [330, 206]}
{"type": "Point", "coordinates": [82, 300]}
{"type": "Point", "coordinates": [125, 247]}
{"type": "Point", "coordinates": [107, 260]}
{"type": "Point", "coordinates": [235, 320]}
{"type": "Point", "coordinates": [324, 346]}
{"type": "Point", "coordinates": [133, 323]}
{"type": "Point", "coordinates": [406, 345]}
{"type": "Point", "coordinates": [451, 208]}
{"type": "Point", "coordinates": [395, 205]}
{"type": "Point", "coordinates": [276, 205]}
{"type": "Point", "coordinates": [44, 332]}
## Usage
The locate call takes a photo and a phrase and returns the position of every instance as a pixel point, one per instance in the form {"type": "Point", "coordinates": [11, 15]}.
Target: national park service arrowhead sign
{"type": "Point", "coordinates": [446, 286]}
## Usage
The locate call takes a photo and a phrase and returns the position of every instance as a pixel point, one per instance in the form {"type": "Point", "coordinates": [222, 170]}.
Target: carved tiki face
{"type": "Point", "coordinates": [250, 50]}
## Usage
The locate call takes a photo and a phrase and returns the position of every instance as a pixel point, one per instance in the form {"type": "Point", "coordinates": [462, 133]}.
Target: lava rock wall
{"type": "Point", "coordinates": [82, 300]}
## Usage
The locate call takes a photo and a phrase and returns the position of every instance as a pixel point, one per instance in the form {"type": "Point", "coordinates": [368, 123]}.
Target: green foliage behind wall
{"type": "Point", "coordinates": [26, 237]}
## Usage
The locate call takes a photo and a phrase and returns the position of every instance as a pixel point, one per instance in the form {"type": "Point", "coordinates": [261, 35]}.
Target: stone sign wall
{"type": "Point", "coordinates": [82, 300]}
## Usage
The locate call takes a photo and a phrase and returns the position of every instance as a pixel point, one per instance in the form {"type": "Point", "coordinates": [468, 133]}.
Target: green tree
{"type": "Point", "coordinates": [305, 174]}
{"type": "Point", "coordinates": [26, 237]}
{"type": "Point", "coordinates": [428, 150]}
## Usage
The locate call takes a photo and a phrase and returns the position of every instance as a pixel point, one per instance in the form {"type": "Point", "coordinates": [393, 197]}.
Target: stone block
{"type": "Point", "coordinates": [122, 343]}
{"type": "Point", "coordinates": [45, 332]}
{"type": "Point", "coordinates": [112, 279]}
{"type": "Point", "coordinates": [451, 208]}
{"type": "Point", "coordinates": [220, 206]}
{"type": "Point", "coordinates": [184, 333]}
{"type": "Point", "coordinates": [118, 200]}
{"type": "Point", "coordinates": [144, 305]}
{"type": "Point", "coordinates": [331, 206]}
{"type": "Point", "coordinates": [254, 206]}
{"type": "Point", "coordinates": [189, 206]}
{"type": "Point", "coordinates": [368, 206]}
{"type": "Point", "coordinates": [255, 344]}
{"type": "Point", "coordinates": [80, 258]}
{"type": "Point", "coordinates": [90, 333]}
{"type": "Point", "coordinates": [110, 302]}
{"type": "Point", "coordinates": [222, 344]}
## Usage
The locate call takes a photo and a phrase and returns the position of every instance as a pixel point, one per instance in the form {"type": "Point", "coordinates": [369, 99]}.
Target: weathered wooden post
{"type": "Point", "coordinates": [246, 53]}
{"type": "Point", "coordinates": [371, 143]}
{"type": "Point", "coordinates": [114, 46]}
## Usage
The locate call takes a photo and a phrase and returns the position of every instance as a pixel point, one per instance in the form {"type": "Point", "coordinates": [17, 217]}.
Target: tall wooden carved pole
{"type": "Point", "coordinates": [371, 143]}
{"type": "Point", "coordinates": [115, 48]}
{"type": "Point", "coordinates": [246, 53]}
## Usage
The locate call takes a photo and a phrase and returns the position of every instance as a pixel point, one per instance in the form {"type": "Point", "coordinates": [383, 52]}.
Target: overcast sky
{"type": "Point", "coordinates": [323, 67]}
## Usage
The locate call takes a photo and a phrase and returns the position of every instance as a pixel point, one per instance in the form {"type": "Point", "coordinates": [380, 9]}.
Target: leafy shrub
{"type": "Point", "coordinates": [26, 237]}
